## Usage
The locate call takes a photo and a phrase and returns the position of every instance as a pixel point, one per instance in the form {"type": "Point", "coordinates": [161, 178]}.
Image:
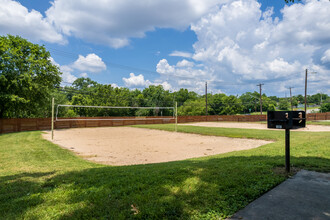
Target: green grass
{"type": "Point", "coordinates": [326, 123]}
{"type": "Point", "coordinates": [257, 113]}
{"type": "Point", "coordinates": [39, 180]}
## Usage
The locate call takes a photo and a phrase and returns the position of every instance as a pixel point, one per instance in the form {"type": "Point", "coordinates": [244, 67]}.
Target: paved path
{"type": "Point", "coordinates": [304, 196]}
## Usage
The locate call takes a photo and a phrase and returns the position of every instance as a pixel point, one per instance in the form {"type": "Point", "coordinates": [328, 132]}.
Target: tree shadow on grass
{"type": "Point", "coordinates": [204, 188]}
{"type": "Point", "coordinates": [20, 192]}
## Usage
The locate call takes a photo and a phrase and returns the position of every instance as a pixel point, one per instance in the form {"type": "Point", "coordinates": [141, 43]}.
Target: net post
{"type": "Point", "coordinates": [52, 126]}
{"type": "Point", "coordinates": [176, 116]}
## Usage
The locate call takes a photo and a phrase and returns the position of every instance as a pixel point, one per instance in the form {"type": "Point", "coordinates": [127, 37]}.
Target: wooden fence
{"type": "Point", "coordinates": [32, 124]}
{"type": "Point", "coordinates": [318, 116]}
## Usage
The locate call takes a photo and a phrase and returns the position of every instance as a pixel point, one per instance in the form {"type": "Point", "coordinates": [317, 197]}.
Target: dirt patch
{"type": "Point", "coordinates": [127, 145]}
{"type": "Point", "coordinates": [246, 125]}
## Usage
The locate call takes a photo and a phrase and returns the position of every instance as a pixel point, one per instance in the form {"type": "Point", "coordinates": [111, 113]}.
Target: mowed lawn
{"type": "Point", "coordinates": [39, 180]}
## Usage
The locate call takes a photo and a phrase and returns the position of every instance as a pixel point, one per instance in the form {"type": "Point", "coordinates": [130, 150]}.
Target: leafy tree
{"type": "Point", "coordinates": [271, 107]}
{"type": "Point", "coordinates": [60, 97]}
{"type": "Point", "coordinates": [325, 107]}
{"type": "Point", "coordinates": [84, 83]}
{"type": "Point", "coordinates": [192, 107]}
{"type": "Point", "coordinates": [249, 101]}
{"type": "Point", "coordinates": [294, 101]}
{"type": "Point", "coordinates": [274, 98]}
{"type": "Point", "coordinates": [316, 98]}
{"type": "Point", "coordinates": [94, 94]}
{"type": "Point", "coordinates": [284, 104]}
{"type": "Point", "coordinates": [300, 99]}
{"type": "Point", "coordinates": [157, 96]}
{"type": "Point", "coordinates": [232, 104]}
{"type": "Point", "coordinates": [27, 78]}
{"type": "Point", "coordinates": [216, 104]}
{"type": "Point", "coordinates": [183, 95]}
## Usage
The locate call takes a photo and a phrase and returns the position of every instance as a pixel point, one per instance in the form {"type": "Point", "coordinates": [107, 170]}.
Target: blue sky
{"type": "Point", "coordinates": [231, 44]}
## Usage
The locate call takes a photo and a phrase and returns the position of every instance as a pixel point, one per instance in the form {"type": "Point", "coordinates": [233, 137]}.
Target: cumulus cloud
{"type": "Point", "coordinates": [91, 63]}
{"type": "Point", "coordinates": [136, 81]}
{"type": "Point", "coordinates": [185, 63]}
{"type": "Point", "coordinates": [185, 74]}
{"type": "Point", "coordinates": [282, 68]}
{"type": "Point", "coordinates": [113, 22]}
{"type": "Point", "coordinates": [326, 56]}
{"type": "Point", "coordinates": [177, 53]}
{"type": "Point", "coordinates": [67, 76]}
{"type": "Point", "coordinates": [114, 85]}
{"type": "Point", "coordinates": [242, 45]}
{"type": "Point", "coordinates": [16, 19]}
{"type": "Point", "coordinates": [85, 75]}
{"type": "Point", "coordinates": [163, 67]}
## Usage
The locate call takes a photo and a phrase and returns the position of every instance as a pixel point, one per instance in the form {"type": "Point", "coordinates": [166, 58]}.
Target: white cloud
{"type": "Point", "coordinates": [85, 75]}
{"type": "Point", "coordinates": [164, 84]}
{"type": "Point", "coordinates": [91, 63]}
{"type": "Point", "coordinates": [326, 56]}
{"type": "Point", "coordinates": [240, 44]}
{"type": "Point", "coordinates": [54, 62]}
{"type": "Point", "coordinates": [184, 70]}
{"type": "Point", "coordinates": [113, 22]}
{"type": "Point", "coordinates": [67, 76]}
{"type": "Point", "coordinates": [185, 63]}
{"type": "Point", "coordinates": [163, 67]}
{"type": "Point", "coordinates": [185, 74]}
{"type": "Point", "coordinates": [181, 54]}
{"type": "Point", "coordinates": [114, 85]}
{"type": "Point", "coordinates": [282, 68]}
{"type": "Point", "coordinates": [15, 19]}
{"type": "Point", "coordinates": [136, 81]}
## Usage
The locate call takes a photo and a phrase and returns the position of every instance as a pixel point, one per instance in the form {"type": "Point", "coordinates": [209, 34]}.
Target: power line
{"type": "Point", "coordinates": [145, 71]}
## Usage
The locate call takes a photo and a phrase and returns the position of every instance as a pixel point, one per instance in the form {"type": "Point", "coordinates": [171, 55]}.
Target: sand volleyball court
{"type": "Point", "coordinates": [128, 145]}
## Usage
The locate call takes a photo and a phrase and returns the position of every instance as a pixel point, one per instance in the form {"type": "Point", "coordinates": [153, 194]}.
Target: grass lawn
{"type": "Point", "coordinates": [326, 123]}
{"type": "Point", "coordinates": [39, 180]}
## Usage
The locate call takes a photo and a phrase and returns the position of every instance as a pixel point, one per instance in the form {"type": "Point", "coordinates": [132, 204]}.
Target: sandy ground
{"type": "Point", "coordinates": [246, 125]}
{"type": "Point", "coordinates": [127, 145]}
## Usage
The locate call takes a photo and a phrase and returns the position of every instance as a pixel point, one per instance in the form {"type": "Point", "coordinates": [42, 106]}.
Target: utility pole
{"type": "Point", "coordinates": [260, 84]}
{"type": "Point", "coordinates": [205, 98]}
{"type": "Point", "coordinates": [306, 91]}
{"type": "Point", "coordinates": [291, 98]}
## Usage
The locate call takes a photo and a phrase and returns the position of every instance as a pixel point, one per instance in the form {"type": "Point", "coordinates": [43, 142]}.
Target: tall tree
{"type": "Point", "coordinates": [216, 104]}
{"type": "Point", "coordinates": [27, 77]}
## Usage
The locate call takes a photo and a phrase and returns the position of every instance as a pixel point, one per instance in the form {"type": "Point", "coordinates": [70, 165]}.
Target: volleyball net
{"type": "Point", "coordinates": [112, 113]}
{"type": "Point", "coordinates": [83, 112]}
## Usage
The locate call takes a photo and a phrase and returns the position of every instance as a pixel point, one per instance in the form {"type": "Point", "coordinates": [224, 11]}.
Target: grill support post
{"type": "Point", "coordinates": [287, 150]}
